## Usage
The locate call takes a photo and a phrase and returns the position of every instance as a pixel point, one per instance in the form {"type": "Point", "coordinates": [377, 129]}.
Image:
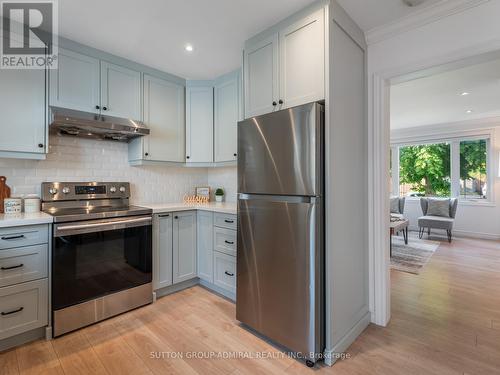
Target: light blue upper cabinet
{"type": "Point", "coordinates": [285, 66]}
{"type": "Point", "coordinates": [23, 104]}
{"type": "Point", "coordinates": [260, 62]}
{"type": "Point", "coordinates": [164, 115]}
{"type": "Point", "coordinates": [302, 61]}
{"type": "Point", "coordinates": [227, 104]}
{"type": "Point", "coordinates": [75, 84]}
{"type": "Point", "coordinates": [120, 91]}
{"type": "Point", "coordinates": [199, 122]}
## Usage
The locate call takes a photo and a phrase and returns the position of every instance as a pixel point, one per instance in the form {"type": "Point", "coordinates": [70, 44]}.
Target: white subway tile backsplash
{"type": "Point", "coordinates": [225, 178]}
{"type": "Point", "coordinates": [77, 159]}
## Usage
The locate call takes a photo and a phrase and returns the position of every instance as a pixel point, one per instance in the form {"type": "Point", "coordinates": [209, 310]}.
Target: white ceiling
{"type": "Point", "coordinates": [370, 14]}
{"type": "Point", "coordinates": [154, 32]}
{"type": "Point", "coordinates": [437, 99]}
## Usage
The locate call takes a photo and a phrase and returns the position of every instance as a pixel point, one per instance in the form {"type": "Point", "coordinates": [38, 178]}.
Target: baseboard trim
{"type": "Point", "coordinates": [175, 288]}
{"type": "Point", "coordinates": [333, 354]}
{"type": "Point", "coordinates": [217, 290]}
{"type": "Point", "coordinates": [461, 234]}
{"type": "Point", "coordinates": [22, 338]}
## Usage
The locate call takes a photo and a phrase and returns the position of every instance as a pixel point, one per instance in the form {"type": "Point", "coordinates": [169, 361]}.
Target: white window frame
{"type": "Point", "coordinates": [454, 141]}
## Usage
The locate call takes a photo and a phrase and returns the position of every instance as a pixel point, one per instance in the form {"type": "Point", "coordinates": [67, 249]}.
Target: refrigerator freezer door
{"type": "Point", "coordinates": [279, 283]}
{"type": "Point", "coordinates": [280, 153]}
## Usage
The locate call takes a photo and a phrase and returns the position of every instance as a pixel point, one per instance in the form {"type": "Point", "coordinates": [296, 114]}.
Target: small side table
{"type": "Point", "coordinates": [398, 226]}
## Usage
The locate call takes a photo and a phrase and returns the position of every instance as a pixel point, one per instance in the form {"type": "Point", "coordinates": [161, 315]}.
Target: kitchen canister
{"type": "Point", "coordinates": [31, 204]}
{"type": "Point", "coordinates": [12, 205]}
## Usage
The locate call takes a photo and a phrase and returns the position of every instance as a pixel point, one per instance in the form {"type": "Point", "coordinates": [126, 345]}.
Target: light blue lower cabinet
{"type": "Point", "coordinates": [205, 246]}
{"type": "Point", "coordinates": [24, 283]}
{"type": "Point", "coordinates": [162, 250]}
{"type": "Point", "coordinates": [189, 247]}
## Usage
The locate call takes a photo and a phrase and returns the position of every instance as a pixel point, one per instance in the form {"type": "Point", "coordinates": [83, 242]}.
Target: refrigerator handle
{"type": "Point", "coordinates": [278, 198]}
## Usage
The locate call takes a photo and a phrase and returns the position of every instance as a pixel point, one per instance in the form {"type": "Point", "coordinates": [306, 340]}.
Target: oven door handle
{"type": "Point", "coordinates": [98, 227]}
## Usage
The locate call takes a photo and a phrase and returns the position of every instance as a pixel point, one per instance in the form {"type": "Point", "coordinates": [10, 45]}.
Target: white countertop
{"type": "Point", "coordinates": [223, 207]}
{"type": "Point", "coordinates": [16, 220]}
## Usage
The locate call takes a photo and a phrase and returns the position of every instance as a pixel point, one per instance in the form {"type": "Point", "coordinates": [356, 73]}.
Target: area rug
{"type": "Point", "coordinates": [413, 257]}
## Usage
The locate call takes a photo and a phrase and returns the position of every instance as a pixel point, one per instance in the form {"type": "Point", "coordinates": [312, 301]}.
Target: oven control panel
{"type": "Point", "coordinates": [68, 191]}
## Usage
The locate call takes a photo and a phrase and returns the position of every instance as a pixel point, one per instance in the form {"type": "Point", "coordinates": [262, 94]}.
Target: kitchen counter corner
{"type": "Point", "coordinates": [16, 220]}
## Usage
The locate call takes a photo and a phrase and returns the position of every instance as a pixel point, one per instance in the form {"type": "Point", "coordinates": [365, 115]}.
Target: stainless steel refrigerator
{"type": "Point", "coordinates": [280, 263]}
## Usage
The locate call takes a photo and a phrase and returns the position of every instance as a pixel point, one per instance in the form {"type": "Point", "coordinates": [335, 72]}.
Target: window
{"type": "Point", "coordinates": [424, 170]}
{"type": "Point", "coordinates": [457, 168]}
{"type": "Point", "coordinates": [473, 157]}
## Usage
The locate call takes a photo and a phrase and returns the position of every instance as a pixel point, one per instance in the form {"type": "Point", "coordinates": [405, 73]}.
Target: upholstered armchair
{"type": "Point", "coordinates": [397, 206]}
{"type": "Point", "coordinates": [438, 214]}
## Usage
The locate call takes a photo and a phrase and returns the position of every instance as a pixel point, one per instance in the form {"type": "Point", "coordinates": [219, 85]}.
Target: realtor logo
{"type": "Point", "coordinates": [29, 32]}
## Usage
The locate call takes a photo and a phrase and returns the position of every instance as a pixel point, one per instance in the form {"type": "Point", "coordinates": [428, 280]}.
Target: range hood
{"type": "Point", "coordinates": [90, 125]}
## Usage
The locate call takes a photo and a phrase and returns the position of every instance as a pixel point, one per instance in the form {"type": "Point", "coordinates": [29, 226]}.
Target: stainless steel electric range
{"type": "Point", "coordinates": [101, 252]}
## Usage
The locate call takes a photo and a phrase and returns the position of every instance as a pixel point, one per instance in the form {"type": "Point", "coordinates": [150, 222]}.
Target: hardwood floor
{"type": "Point", "coordinates": [444, 321]}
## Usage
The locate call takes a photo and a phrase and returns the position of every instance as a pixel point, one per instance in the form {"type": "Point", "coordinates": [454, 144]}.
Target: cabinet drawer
{"type": "Point", "coordinates": [225, 241]}
{"type": "Point", "coordinates": [23, 307]}
{"type": "Point", "coordinates": [225, 221]}
{"type": "Point", "coordinates": [23, 264]}
{"type": "Point", "coordinates": [23, 236]}
{"type": "Point", "coordinates": [225, 271]}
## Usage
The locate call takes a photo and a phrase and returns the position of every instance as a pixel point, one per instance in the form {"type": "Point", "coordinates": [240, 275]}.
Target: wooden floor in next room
{"type": "Point", "coordinates": [444, 321]}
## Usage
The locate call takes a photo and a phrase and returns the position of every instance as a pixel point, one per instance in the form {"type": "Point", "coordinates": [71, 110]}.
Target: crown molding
{"type": "Point", "coordinates": [432, 13]}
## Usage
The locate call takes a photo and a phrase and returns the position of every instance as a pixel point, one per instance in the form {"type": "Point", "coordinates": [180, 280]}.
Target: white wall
{"type": "Point", "coordinates": [77, 159]}
{"type": "Point", "coordinates": [225, 178]}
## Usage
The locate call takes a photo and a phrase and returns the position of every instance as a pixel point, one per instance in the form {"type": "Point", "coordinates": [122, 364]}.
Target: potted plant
{"type": "Point", "coordinates": [219, 194]}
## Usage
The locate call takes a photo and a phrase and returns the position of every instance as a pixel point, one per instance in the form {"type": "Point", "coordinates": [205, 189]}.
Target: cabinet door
{"type": "Point", "coordinates": [75, 82]}
{"type": "Point", "coordinates": [184, 246]}
{"type": "Point", "coordinates": [23, 105]}
{"type": "Point", "coordinates": [227, 105]}
{"type": "Point", "coordinates": [164, 115]}
{"type": "Point", "coordinates": [205, 245]}
{"type": "Point", "coordinates": [260, 63]}
{"type": "Point", "coordinates": [120, 91]}
{"type": "Point", "coordinates": [162, 248]}
{"type": "Point", "coordinates": [199, 124]}
{"type": "Point", "coordinates": [302, 61]}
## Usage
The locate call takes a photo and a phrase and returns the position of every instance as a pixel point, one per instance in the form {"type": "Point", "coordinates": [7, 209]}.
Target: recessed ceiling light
{"type": "Point", "coordinates": [469, 111]}
{"type": "Point", "coordinates": [189, 47]}
{"type": "Point", "coordinates": [465, 93]}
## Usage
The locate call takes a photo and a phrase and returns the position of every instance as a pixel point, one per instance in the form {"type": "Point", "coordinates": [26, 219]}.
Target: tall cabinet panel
{"type": "Point", "coordinates": [302, 61]}
{"type": "Point", "coordinates": [164, 116]}
{"type": "Point", "coordinates": [184, 246]}
{"type": "Point", "coordinates": [199, 124]}
{"type": "Point", "coordinates": [23, 103]}
{"type": "Point", "coordinates": [120, 91]}
{"type": "Point", "coordinates": [260, 63]}
{"type": "Point", "coordinates": [75, 83]}
{"type": "Point", "coordinates": [205, 245]}
{"type": "Point", "coordinates": [162, 250]}
{"type": "Point", "coordinates": [227, 114]}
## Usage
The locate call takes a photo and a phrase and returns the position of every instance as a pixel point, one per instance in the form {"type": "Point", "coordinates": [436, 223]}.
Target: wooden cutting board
{"type": "Point", "coordinates": [4, 192]}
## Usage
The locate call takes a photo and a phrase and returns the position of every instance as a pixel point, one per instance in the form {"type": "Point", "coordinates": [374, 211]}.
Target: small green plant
{"type": "Point", "coordinates": [219, 192]}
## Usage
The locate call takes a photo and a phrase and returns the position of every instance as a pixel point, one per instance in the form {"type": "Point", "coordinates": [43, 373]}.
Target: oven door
{"type": "Point", "coordinates": [92, 259]}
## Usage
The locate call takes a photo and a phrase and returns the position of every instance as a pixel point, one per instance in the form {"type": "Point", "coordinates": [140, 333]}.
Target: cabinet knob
{"type": "Point", "coordinates": [187, 157]}
{"type": "Point", "coordinates": [235, 155]}
{"type": "Point", "coordinates": [275, 104]}
{"type": "Point", "coordinates": [280, 102]}
{"type": "Point", "coordinates": [40, 145]}
{"type": "Point", "coordinates": [97, 107]}
{"type": "Point", "coordinates": [146, 154]}
{"type": "Point", "coordinates": [176, 217]}
{"type": "Point", "coordinates": [105, 108]}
